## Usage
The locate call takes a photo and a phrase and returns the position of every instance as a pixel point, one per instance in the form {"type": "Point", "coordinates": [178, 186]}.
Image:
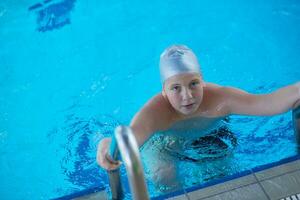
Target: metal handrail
{"type": "Point", "coordinates": [124, 143]}
{"type": "Point", "coordinates": [296, 122]}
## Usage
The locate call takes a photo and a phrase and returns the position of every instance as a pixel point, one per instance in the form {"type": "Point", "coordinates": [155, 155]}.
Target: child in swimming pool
{"type": "Point", "coordinates": [186, 97]}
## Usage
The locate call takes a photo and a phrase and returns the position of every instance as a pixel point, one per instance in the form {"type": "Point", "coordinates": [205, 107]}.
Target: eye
{"type": "Point", "coordinates": [194, 84]}
{"type": "Point", "coordinates": [175, 88]}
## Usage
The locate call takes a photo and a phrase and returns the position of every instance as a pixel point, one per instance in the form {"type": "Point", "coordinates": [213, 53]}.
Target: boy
{"type": "Point", "coordinates": [188, 102]}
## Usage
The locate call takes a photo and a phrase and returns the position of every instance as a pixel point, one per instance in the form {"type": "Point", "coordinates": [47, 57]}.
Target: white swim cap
{"type": "Point", "coordinates": [177, 59]}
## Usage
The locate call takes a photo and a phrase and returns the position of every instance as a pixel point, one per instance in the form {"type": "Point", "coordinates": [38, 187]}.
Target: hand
{"type": "Point", "coordinates": [102, 158]}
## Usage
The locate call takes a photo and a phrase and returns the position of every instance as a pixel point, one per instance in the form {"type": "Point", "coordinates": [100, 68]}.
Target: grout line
{"type": "Point", "coordinates": [227, 190]}
{"type": "Point", "coordinates": [277, 175]}
{"type": "Point", "coordinates": [186, 194]}
{"type": "Point", "coordinates": [260, 185]}
{"type": "Point", "coordinates": [257, 181]}
{"type": "Point", "coordinates": [283, 164]}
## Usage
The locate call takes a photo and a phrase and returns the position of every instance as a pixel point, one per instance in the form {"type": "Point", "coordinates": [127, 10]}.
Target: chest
{"type": "Point", "coordinates": [194, 128]}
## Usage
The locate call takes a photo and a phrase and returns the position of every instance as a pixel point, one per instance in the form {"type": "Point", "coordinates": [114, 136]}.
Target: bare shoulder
{"type": "Point", "coordinates": [157, 100]}
{"type": "Point", "coordinates": [213, 90]}
{"type": "Point", "coordinates": [158, 105]}
{"type": "Point", "coordinates": [212, 85]}
{"type": "Point", "coordinates": [215, 100]}
{"type": "Point", "coordinates": [156, 114]}
{"type": "Point", "coordinates": [221, 91]}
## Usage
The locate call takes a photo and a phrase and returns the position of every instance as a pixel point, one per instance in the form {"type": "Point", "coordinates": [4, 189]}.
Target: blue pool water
{"type": "Point", "coordinates": [71, 71]}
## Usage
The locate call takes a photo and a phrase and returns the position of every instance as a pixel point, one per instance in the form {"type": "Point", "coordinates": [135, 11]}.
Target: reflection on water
{"type": "Point", "coordinates": [52, 15]}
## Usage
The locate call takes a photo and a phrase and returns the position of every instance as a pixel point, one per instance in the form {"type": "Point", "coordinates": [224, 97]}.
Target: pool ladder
{"type": "Point", "coordinates": [124, 143]}
{"type": "Point", "coordinates": [296, 122]}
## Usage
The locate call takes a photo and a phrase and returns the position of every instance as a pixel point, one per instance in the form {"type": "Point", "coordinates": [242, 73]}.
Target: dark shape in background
{"type": "Point", "coordinates": [52, 15]}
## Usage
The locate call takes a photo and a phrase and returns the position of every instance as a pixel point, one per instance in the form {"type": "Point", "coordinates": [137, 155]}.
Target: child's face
{"type": "Point", "coordinates": [184, 92]}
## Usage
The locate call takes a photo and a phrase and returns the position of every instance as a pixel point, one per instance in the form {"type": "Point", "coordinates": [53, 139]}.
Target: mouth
{"type": "Point", "coordinates": [188, 106]}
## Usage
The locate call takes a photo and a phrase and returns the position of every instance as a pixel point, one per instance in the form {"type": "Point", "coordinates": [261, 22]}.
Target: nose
{"type": "Point", "coordinates": [186, 94]}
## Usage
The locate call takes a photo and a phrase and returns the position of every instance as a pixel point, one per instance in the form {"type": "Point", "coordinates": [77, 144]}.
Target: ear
{"type": "Point", "coordinates": [164, 93]}
{"type": "Point", "coordinates": [165, 96]}
{"type": "Point", "coordinates": [203, 83]}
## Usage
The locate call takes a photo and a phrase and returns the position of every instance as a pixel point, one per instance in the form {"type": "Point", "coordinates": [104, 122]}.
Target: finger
{"type": "Point", "coordinates": [106, 163]}
{"type": "Point", "coordinates": [113, 166]}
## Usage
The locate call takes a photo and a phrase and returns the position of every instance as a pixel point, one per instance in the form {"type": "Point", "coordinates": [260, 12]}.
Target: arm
{"type": "Point", "coordinates": [154, 116]}
{"type": "Point", "coordinates": [280, 101]}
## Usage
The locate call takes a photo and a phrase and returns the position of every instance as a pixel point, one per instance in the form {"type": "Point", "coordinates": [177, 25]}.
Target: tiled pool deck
{"type": "Point", "coordinates": [275, 181]}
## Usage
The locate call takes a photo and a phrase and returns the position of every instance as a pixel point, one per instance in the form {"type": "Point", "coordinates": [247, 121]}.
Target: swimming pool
{"type": "Point", "coordinates": [71, 71]}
